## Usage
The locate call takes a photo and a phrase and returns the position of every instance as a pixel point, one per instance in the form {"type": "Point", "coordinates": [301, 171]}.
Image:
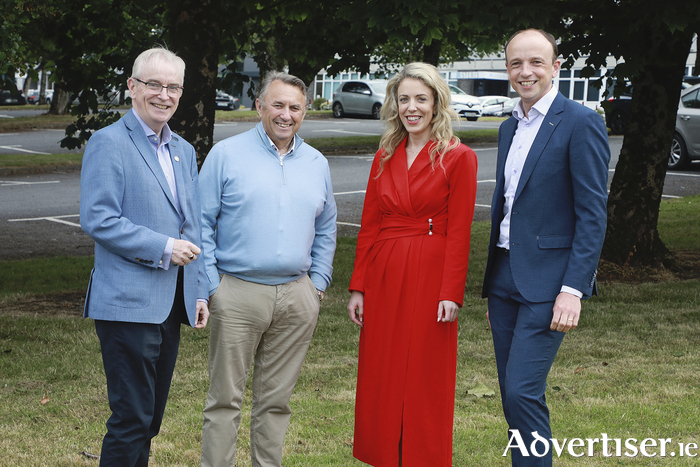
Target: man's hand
{"type": "Point", "coordinates": [184, 252]}
{"type": "Point", "coordinates": [202, 315]}
{"type": "Point", "coordinates": [567, 309]}
{"type": "Point", "coordinates": [447, 311]}
{"type": "Point", "coordinates": [356, 307]}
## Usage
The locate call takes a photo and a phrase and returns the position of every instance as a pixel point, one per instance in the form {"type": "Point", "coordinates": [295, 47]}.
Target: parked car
{"type": "Point", "coordinates": [33, 96]}
{"type": "Point", "coordinates": [465, 105]}
{"type": "Point", "coordinates": [227, 102]}
{"type": "Point", "coordinates": [616, 112]}
{"type": "Point", "coordinates": [492, 105]}
{"type": "Point", "coordinates": [112, 98]}
{"type": "Point", "coordinates": [686, 139]}
{"type": "Point", "coordinates": [359, 97]}
{"type": "Point", "coordinates": [617, 109]}
{"type": "Point", "coordinates": [7, 98]}
{"type": "Point", "coordinates": [509, 105]}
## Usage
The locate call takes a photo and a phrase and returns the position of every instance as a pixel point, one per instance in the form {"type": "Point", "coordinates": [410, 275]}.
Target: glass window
{"type": "Point", "coordinates": [579, 87]}
{"type": "Point", "coordinates": [593, 92]}
{"type": "Point", "coordinates": [564, 87]}
{"type": "Point", "coordinates": [690, 100]}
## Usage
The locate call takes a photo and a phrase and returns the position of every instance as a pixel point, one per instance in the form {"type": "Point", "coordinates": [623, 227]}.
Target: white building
{"type": "Point", "coordinates": [487, 76]}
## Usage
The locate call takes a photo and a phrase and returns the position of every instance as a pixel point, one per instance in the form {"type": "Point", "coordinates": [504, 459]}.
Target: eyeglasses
{"type": "Point", "coordinates": [157, 88]}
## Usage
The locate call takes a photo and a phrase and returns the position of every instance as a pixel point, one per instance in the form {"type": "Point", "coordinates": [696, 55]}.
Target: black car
{"type": "Point", "coordinates": [7, 98]}
{"type": "Point", "coordinates": [226, 102]}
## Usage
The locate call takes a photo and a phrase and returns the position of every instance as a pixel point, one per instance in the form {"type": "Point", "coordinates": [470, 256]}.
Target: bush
{"type": "Point", "coordinates": [319, 103]}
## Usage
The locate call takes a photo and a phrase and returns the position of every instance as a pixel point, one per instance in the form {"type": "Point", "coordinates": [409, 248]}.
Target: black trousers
{"type": "Point", "coordinates": [139, 360]}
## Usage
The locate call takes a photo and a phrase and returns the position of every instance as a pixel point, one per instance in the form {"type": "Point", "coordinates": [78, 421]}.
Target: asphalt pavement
{"type": "Point", "coordinates": [39, 212]}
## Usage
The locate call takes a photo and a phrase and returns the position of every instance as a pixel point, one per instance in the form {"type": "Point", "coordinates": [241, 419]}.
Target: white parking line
{"type": "Point", "coordinates": [678, 174]}
{"type": "Point", "coordinates": [349, 192]}
{"type": "Point", "coordinates": [346, 132]}
{"type": "Point", "coordinates": [347, 223]}
{"type": "Point", "coordinates": [58, 219]}
{"type": "Point", "coordinates": [11, 183]}
{"type": "Point", "coordinates": [18, 148]}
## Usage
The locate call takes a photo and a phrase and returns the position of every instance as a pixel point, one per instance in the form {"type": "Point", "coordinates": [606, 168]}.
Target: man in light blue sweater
{"type": "Point", "coordinates": [268, 236]}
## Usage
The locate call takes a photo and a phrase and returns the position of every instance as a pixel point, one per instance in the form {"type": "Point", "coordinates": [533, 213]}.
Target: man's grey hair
{"type": "Point", "coordinates": [286, 78]}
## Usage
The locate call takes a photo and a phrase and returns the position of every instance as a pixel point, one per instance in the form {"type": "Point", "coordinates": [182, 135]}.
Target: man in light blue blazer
{"type": "Point", "coordinates": [548, 225]}
{"type": "Point", "coordinates": [139, 201]}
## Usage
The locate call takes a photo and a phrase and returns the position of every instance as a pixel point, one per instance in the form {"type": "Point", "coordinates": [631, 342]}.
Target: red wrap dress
{"type": "Point", "coordinates": [412, 252]}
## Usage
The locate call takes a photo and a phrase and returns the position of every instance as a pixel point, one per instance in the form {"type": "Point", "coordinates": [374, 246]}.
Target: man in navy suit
{"type": "Point", "coordinates": [139, 201]}
{"type": "Point", "coordinates": [548, 219]}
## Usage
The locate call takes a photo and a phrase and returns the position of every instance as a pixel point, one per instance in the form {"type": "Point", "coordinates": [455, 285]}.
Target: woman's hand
{"type": "Point", "coordinates": [355, 307]}
{"type": "Point", "coordinates": [447, 311]}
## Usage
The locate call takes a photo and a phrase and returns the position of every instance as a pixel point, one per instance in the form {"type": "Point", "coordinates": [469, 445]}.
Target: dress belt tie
{"type": "Point", "coordinates": [403, 226]}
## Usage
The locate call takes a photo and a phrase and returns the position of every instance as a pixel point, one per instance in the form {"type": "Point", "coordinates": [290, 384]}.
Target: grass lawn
{"type": "Point", "coordinates": [629, 371]}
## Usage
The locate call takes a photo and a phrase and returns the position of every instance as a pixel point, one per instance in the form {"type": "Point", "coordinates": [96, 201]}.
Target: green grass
{"type": "Point", "coordinates": [629, 370]}
{"type": "Point", "coordinates": [39, 160]}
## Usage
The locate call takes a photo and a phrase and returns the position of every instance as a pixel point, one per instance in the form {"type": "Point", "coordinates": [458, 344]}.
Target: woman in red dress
{"type": "Point", "coordinates": [409, 276]}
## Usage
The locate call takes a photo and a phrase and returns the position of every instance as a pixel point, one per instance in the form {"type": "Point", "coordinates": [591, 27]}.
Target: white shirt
{"type": "Point", "coordinates": [525, 133]}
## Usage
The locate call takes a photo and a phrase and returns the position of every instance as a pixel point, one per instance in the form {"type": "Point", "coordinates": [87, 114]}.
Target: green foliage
{"type": "Point", "coordinates": [318, 102]}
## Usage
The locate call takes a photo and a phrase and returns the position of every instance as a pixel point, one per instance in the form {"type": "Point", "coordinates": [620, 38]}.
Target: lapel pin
{"type": "Point", "coordinates": [177, 159]}
{"type": "Point", "coordinates": [551, 123]}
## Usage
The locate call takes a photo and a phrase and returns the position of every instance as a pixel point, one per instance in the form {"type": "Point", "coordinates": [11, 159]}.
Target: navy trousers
{"type": "Point", "coordinates": [525, 349]}
{"type": "Point", "coordinates": [139, 360]}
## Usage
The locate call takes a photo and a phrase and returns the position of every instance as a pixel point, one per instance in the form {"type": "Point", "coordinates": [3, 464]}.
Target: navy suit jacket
{"type": "Point", "coordinates": [559, 213]}
{"type": "Point", "coordinates": [127, 207]}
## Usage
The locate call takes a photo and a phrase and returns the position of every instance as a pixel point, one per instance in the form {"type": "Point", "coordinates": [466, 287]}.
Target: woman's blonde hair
{"type": "Point", "coordinates": [441, 124]}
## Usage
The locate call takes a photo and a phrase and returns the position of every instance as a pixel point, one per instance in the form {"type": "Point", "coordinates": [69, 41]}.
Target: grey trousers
{"type": "Point", "coordinates": [270, 326]}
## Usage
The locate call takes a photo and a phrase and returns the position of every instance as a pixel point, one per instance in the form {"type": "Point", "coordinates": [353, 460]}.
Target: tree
{"type": "Point", "coordinates": [654, 44]}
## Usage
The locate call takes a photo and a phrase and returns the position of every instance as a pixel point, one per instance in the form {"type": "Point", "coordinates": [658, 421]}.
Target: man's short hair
{"type": "Point", "coordinates": [550, 38]}
{"type": "Point", "coordinates": [286, 78]}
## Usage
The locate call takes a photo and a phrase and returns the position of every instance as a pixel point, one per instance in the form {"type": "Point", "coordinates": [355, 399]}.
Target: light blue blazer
{"type": "Point", "coordinates": [127, 207]}
{"type": "Point", "coordinates": [559, 213]}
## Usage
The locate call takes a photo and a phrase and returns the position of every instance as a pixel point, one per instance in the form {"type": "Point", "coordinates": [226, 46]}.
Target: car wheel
{"type": "Point", "coordinates": [472, 119]}
{"type": "Point", "coordinates": [376, 109]}
{"type": "Point", "coordinates": [617, 122]}
{"type": "Point", "coordinates": [338, 110]}
{"type": "Point", "coordinates": [678, 156]}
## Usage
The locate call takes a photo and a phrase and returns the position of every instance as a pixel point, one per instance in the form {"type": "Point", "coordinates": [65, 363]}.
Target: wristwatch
{"type": "Point", "coordinates": [320, 294]}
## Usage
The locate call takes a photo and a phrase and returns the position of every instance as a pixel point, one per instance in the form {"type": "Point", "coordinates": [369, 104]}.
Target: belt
{"type": "Point", "coordinates": [396, 226]}
{"type": "Point", "coordinates": [505, 251]}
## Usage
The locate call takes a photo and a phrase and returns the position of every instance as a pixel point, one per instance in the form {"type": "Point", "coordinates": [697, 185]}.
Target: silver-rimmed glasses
{"type": "Point", "coordinates": [156, 88]}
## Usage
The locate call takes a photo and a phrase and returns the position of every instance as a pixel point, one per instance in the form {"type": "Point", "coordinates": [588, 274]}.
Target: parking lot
{"type": "Point", "coordinates": [39, 213]}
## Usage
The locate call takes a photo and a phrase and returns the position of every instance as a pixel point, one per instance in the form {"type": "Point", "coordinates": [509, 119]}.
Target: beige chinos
{"type": "Point", "coordinates": [270, 325]}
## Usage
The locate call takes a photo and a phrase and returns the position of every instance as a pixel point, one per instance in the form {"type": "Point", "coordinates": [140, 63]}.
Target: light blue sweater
{"type": "Point", "coordinates": [263, 220]}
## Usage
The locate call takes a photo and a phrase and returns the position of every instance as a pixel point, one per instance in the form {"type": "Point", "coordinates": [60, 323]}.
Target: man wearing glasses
{"type": "Point", "coordinates": [139, 201]}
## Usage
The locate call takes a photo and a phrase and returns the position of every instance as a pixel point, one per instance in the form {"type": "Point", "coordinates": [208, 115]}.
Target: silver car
{"type": "Point", "coordinates": [359, 97]}
{"type": "Point", "coordinates": [686, 139]}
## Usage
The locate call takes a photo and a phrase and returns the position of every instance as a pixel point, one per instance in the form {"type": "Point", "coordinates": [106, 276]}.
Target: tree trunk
{"type": "Point", "coordinates": [431, 53]}
{"type": "Point", "coordinates": [59, 103]}
{"type": "Point", "coordinates": [195, 37]}
{"type": "Point", "coordinates": [632, 237]}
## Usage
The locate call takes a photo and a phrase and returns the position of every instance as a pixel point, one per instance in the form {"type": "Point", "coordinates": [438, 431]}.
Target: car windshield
{"type": "Point", "coordinates": [456, 90]}
{"type": "Point", "coordinates": [378, 88]}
